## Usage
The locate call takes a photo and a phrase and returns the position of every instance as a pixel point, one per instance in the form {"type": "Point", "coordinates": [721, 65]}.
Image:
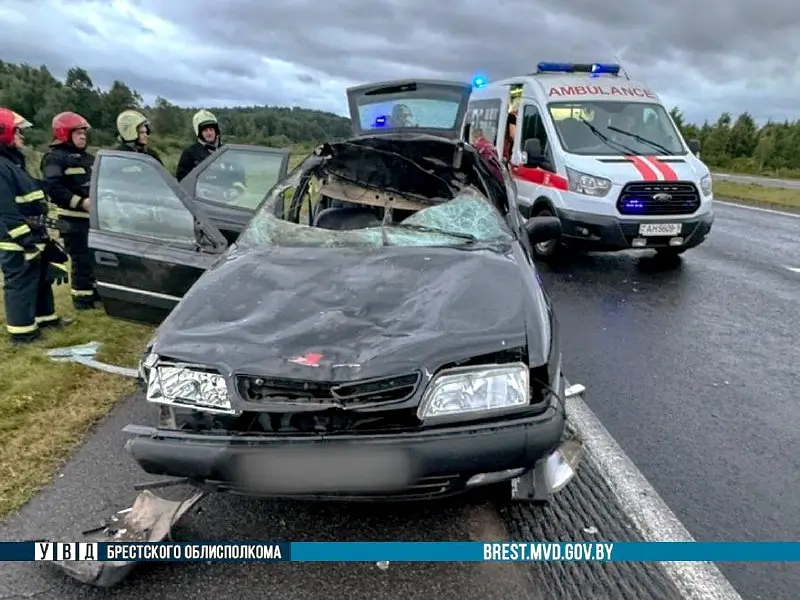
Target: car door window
{"type": "Point", "coordinates": [239, 177]}
{"type": "Point", "coordinates": [533, 128]}
{"type": "Point", "coordinates": [134, 196]}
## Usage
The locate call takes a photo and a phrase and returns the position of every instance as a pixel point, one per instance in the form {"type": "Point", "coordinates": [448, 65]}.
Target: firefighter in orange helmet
{"type": "Point", "coordinates": [30, 261]}
{"type": "Point", "coordinates": [66, 173]}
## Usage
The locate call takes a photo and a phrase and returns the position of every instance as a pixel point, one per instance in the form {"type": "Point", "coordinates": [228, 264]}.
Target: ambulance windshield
{"type": "Point", "coordinates": [608, 128]}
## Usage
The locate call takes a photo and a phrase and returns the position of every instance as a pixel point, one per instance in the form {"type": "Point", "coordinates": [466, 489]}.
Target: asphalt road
{"type": "Point", "coordinates": [692, 367]}
{"type": "Point", "coordinates": [791, 184]}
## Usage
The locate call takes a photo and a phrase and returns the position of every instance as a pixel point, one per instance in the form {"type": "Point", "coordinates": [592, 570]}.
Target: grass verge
{"type": "Point", "coordinates": [758, 195]}
{"type": "Point", "coordinates": [47, 408]}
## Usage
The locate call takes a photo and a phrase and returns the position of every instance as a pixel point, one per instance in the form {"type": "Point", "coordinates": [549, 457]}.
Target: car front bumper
{"type": "Point", "coordinates": [609, 233]}
{"type": "Point", "coordinates": [419, 465]}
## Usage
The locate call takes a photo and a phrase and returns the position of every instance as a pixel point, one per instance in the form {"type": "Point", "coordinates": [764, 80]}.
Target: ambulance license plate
{"type": "Point", "coordinates": [656, 229]}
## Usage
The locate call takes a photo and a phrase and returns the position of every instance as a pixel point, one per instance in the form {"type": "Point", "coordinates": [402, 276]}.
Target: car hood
{"type": "Point", "coordinates": [355, 313]}
{"type": "Point", "coordinates": [621, 170]}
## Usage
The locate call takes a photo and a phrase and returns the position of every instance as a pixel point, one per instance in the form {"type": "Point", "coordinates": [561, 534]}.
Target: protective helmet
{"type": "Point", "coordinates": [65, 123]}
{"type": "Point", "coordinates": [202, 119]}
{"type": "Point", "coordinates": [9, 123]}
{"type": "Point", "coordinates": [128, 123]}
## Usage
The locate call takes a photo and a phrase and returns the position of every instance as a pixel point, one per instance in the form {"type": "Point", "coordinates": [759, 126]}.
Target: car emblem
{"type": "Point", "coordinates": [310, 359]}
{"type": "Point", "coordinates": [662, 197]}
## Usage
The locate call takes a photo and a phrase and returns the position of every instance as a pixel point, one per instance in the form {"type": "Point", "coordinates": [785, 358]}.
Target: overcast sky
{"type": "Point", "coordinates": [706, 56]}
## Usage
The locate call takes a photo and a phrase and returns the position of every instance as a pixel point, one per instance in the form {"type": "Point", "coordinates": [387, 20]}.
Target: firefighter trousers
{"type": "Point", "coordinates": [28, 295]}
{"type": "Point", "coordinates": [75, 234]}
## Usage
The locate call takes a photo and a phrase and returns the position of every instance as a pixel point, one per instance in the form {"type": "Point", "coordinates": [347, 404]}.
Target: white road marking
{"type": "Point", "coordinates": [649, 513]}
{"type": "Point", "coordinates": [795, 269]}
{"type": "Point", "coordinates": [757, 209]}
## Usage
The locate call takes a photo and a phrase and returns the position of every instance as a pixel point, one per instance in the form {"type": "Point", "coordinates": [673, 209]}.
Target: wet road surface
{"type": "Point", "coordinates": [693, 369]}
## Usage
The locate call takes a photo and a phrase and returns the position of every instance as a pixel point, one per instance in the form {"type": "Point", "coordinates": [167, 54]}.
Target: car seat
{"type": "Point", "coordinates": [351, 217]}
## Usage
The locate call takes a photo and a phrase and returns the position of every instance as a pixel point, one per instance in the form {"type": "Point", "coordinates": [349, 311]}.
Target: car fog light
{"type": "Point", "coordinates": [562, 464]}
{"type": "Point", "coordinates": [676, 241]}
{"type": "Point", "coordinates": [639, 243]}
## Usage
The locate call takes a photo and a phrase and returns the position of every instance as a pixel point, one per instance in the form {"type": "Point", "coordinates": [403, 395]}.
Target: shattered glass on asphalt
{"type": "Point", "coordinates": [468, 214]}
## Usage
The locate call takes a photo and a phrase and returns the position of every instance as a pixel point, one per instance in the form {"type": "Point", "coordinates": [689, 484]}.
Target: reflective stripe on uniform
{"type": "Point", "coordinates": [19, 231]}
{"type": "Point", "coordinates": [30, 197]}
{"type": "Point", "coordinates": [47, 318]}
{"type": "Point", "coordinates": [83, 293]}
{"type": "Point", "coordinates": [75, 201]}
{"type": "Point", "coordinates": [12, 247]}
{"type": "Point", "coordinates": [63, 212]}
{"type": "Point", "coordinates": [75, 171]}
{"type": "Point", "coordinates": [20, 329]}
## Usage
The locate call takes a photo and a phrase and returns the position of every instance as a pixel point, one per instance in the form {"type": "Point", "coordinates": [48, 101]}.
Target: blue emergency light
{"type": "Point", "coordinates": [479, 81]}
{"type": "Point", "coordinates": [592, 68]}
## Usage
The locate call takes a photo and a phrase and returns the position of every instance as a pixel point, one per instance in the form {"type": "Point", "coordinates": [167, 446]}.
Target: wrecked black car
{"type": "Point", "coordinates": [369, 326]}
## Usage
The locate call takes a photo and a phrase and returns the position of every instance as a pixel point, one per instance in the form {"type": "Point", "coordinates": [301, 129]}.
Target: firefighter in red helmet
{"type": "Point", "coordinates": [66, 173]}
{"type": "Point", "coordinates": [30, 261]}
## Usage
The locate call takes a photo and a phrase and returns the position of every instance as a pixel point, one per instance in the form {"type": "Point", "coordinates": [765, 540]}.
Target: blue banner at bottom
{"type": "Point", "coordinates": [273, 551]}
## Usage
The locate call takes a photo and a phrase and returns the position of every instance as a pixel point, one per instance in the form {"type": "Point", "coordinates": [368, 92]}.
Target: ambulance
{"type": "Point", "coordinates": [601, 152]}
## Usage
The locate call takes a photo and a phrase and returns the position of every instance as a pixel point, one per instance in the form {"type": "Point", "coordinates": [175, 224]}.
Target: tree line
{"type": "Point", "coordinates": [36, 94]}
{"type": "Point", "coordinates": [735, 144]}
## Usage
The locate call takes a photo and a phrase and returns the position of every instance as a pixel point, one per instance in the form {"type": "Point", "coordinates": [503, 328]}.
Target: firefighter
{"type": "Point", "coordinates": [30, 261]}
{"type": "Point", "coordinates": [207, 141]}
{"type": "Point", "coordinates": [134, 133]}
{"type": "Point", "coordinates": [67, 173]}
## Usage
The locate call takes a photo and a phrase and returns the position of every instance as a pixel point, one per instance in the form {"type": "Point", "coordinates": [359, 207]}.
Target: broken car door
{"type": "Point", "coordinates": [409, 106]}
{"type": "Point", "coordinates": [149, 241]}
{"type": "Point", "coordinates": [231, 182]}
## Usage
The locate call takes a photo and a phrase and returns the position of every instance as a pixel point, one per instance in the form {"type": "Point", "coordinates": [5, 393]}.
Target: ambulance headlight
{"type": "Point", "coordinates": [465, 391]}
{"type": "Point", "coordinates": [705, 185]}
{"type": "Point", "coordinates": [190, 386]}
{"type": "Point", "coordinates": [588, 185]}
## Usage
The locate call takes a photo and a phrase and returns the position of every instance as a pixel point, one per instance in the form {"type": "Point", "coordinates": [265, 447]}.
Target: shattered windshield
{"type": "Point", "coordinates": [610, 128]}
{"type": "Point", "coordinates": [467, 220]}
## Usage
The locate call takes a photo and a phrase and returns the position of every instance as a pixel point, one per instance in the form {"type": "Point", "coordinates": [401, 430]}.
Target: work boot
{"type": "Point", "coordinates": [58, 323]}
{"type": "Point", "coordinates": [83, 303]}
{"type": "Point", "coordinates": [22, 339]}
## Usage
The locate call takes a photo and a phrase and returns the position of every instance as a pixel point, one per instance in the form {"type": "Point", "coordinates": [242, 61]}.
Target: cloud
{"type": "Point", "coordinates": [707, 57]}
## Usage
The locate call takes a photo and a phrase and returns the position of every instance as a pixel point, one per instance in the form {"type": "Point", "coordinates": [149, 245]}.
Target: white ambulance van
{"type": "Point", "coordinates": [601, 152]}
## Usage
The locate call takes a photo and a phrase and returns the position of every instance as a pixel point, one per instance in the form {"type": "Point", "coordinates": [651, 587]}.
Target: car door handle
{"type": "Point", "coordinates": [106, 258]}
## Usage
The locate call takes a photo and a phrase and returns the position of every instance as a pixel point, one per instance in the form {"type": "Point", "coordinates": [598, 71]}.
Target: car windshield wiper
{"type": "Point", "coordinates": [607, 140]}
{"type": "Point", "coordinates": [639, 138]}
{"type": "Point", "coordinates": [423, 228]}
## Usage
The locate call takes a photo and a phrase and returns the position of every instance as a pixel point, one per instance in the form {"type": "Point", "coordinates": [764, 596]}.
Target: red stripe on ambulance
{"type": "Point", "coordinates": [647, 172]}
{"type": "Point", "coordinates": [667, 172]}
{"type": "Point", "coordinates": [540, 177]}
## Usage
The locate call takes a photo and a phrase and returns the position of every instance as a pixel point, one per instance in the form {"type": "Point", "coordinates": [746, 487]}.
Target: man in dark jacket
{"type": "Point", "coordinates": [134, 133]}
{"type": "Point", "coordinates": [208, 140]}
{"type": "Point", "coordinates": [30, 261]}
{"type": "Point", "coordinates": [67, 173]}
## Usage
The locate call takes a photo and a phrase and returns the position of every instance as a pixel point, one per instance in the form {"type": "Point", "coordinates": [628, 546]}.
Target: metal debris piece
{"type": "Point", "coordinates": [383, 565]}
{"type": "Point", "coordinates": [150, 519]}
{"type": "Point", "coordinates": [85, 354]}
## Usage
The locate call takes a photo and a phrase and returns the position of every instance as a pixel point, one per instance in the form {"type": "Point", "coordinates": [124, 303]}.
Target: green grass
{"type": "Point", "coordinates": [757, 195]}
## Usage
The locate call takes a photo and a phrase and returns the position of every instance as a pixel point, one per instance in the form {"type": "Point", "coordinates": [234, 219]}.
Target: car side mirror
{"type": "Point", "coordinates": [543, 229]}
{"type": "Point", "coordinates": [534, 155]}
{"type": "Point", "coordinates": [694, 146]}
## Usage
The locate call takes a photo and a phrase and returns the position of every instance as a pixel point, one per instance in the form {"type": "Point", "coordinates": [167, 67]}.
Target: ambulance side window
{"type": "Point", "coordinates": [533, 128]}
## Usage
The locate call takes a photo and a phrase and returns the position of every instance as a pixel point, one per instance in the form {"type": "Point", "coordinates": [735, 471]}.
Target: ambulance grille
{"type": "Point", "coordinates": [654, 198]}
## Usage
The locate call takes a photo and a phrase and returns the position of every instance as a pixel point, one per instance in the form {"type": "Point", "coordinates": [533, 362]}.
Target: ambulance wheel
{"type": "Point", "coordinates": [547, 250]}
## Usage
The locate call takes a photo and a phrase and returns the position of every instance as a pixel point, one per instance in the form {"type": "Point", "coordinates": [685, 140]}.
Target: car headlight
{"type": "Point", "coordinates": [467, 390]}
{"type": "Point", "coordinates": [705, 185]}
{"type": "Point", "coordinates": [188, 386]}
{"type": "Point", "coordinates": [589, 185]}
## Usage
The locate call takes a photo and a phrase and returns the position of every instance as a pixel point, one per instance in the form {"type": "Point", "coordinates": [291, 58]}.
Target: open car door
{"type": "Point", "coordinates": [148, 240]}
{"type": "Point", "coordinates": [409, 106]}
{"type": "Point", "coordinates": [231, 182]}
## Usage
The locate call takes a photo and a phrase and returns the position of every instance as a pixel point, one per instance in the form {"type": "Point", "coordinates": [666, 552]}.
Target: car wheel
{"type": "Point", "coordinates": [547, 250]}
